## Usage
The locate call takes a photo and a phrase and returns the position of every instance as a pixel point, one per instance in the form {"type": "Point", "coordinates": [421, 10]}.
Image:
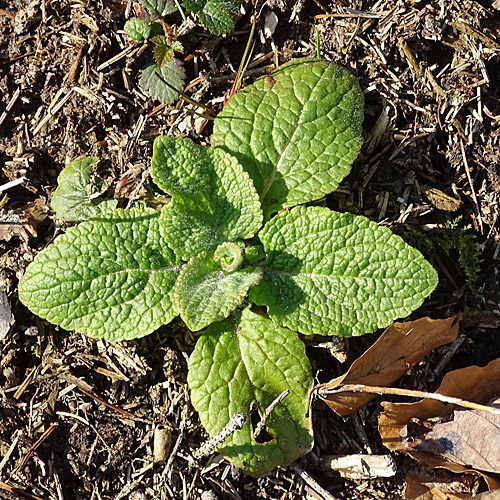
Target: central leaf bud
{"type": "Point", "coordinates": [228, 256]}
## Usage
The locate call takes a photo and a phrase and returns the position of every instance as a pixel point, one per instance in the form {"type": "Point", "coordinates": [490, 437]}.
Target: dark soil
{"type": "Point", "coordinates": [432, 67]}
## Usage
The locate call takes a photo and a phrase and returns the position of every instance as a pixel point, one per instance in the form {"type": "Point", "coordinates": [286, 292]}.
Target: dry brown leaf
{"type": "Point", "coordinates": [477, 384]}
{"type": "Point", "coordinates": [438, 494]}
{"type": "Point", "coordinates": [472, 384]}
{"type": "Point", "coordinates": [488, 495]}
{"type": "Point", "coordinates": [441, 200]}
{"type": "Point", "coordinates": [14, 225]}
{"type": "Point", "coordinates": [470, 439]}
{"type": "Point", "coordinates": [439, 484]}
{"type": "Point", "coordinates": [24, 223]}
{"type": "Point", "coordinates": [400, 348]}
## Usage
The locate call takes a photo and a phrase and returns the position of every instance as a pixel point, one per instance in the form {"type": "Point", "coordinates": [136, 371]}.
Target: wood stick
{"type": "Point", "coordinates": [10, 105]}
{"type": "Point", "coordinates": [18, 492]}
{"type": "Point", "coordinates": [236, 423]}
{"type": "Point", "coordinates": [5, 13]}
{"type": "Point", "coordinates": [40, 440]}
{"type": "Point", "coordinates": [267, 413]}
{"type": "Point", "coordinates": [409, 393]}
{"type": "Point", "coordinates": [12, 184]}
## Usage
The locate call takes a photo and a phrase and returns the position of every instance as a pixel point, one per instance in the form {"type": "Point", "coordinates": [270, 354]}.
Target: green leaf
{"type": "Point", "coordinates": [296, 131]}
{"type": "Point", "coordinates": [162, 54]}
{"type": "Point", "coordinates": [111, 277]}
{"type": "Point", "coordinates": [206, 293]}
{"type": "Point", "coordinates": [159, 8]}
{"type": "Point", "coordinates": [216, 18]}
{"type": "Point", "coordinates": [214, 199]}
{"type": "Point", "coordinates": [215, 15]}
{"type": "Point", "coordinates": [229, 256]}
{"type": "Point", "coordinates": [156, 29]}
{"type": "Point", "coordinates": [162, 51]}
{"type": "Point", "coordinates": [243, 366]}
{"type": "Point", "coordinates": [338, 274]}
{"type": "Point", "coordinates": [171, 72]}
{"type": "Point", "coordinates": [137, 29]}
{"type": "Point", "coordinates": [73, 200]}
{"type": "Point", "coordinates": [194, 5]}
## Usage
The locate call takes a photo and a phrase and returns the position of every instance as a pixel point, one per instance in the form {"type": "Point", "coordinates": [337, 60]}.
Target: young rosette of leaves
{"type": "Point", "coordinates": [73, 199]}
{"type": "Point", "coordinates": [215, 15]}
{"type": "Point", "coordinates": [212, 284]}
{"type": "Point", "coordinates": [242, 364]}
{"type": "Point", "coordinates": [296, 131]}
{"type": "Point", "coordinates": [213, 198]}
{"type": "Point", "coordinates": [111, 277]}
{"type": "Point", "coordinates": [338, 274]}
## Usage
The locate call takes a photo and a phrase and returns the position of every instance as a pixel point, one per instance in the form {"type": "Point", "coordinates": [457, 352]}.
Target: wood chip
{"type": "Point", "coordinates": [360, 466]}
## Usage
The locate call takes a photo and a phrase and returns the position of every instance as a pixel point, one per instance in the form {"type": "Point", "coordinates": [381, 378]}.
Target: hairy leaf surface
{"type": "Point", "coordinates": [216, 18]}
{"type": "Point", "coordinates": [205, 293]}
{"type": "Point", "coordinates": [236, 368]}
{"type": "Point", "coordinates": [72, 200]}
{"type": "Point", "coordinates": [111, 277]}
{"type": "Point", "coordinates": [338, 274]}
{"type": "Point", "coordinates": [172, 72]}
{"type": "Point", "coordinates": [214, 199]}
{"type": "Point", "coordinates": [215, 15]}
{"type": "Point", "coordinates": [296, 131]}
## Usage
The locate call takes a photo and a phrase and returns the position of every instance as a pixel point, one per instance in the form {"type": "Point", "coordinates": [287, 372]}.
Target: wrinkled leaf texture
{"type": "Point", "coordinates": [296, 131]}
{"type": "Point", "coordinates": [111, 278]}
{"type": "Point", "coordinates": [245, 362]}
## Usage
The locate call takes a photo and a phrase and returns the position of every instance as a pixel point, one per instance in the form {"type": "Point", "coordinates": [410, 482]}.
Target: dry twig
{"type": "Point", "coordinates": [267, 413]}
{"type": "Point", "coordinates": [10, 105]}
{"type": "Point", "coordinates": [32, 450]}
{"type": "Point", "coordinates": [236, 423]}
{"type": "Point", "coordinates": [395, 391]}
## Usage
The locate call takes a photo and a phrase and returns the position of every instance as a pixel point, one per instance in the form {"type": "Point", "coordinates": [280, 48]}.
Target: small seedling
{"type": "Point", "coordinates": [232, 236]}
{"type": "Point", "coordinates": [163, 79]}
{"type": "Point", "coordinates": [215, 15]}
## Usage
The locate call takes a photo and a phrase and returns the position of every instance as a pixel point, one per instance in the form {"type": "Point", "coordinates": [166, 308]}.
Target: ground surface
{"type": "Point", "coordinates": [433, 68]}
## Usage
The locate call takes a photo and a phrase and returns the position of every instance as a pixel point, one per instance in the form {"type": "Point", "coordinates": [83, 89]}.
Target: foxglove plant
{"type": "Point", "coordinates": [237, 232]}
